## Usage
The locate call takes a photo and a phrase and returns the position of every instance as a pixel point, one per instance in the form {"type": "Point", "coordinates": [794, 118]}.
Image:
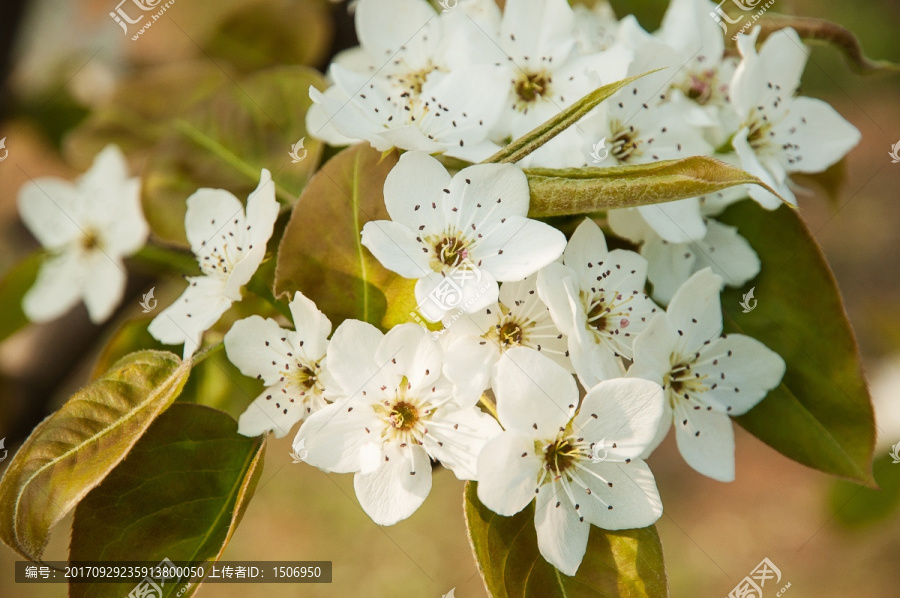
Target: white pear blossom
{"type": "Point", "coordinates": [88, 228]}
{"type": "Point", "coordinates": [409, 86]}
{"type": "Point", "coordinates": [691, 47]}
{"type": "Point", "coordinates": [638, 129]}
{"type": "Point", "coordinates": [780, 133]}
{"type": "Point", "coordinates": [459, 236]}
{"type": "Point", "coordinates": [671, 264]}
{"type": "Point", "coordinates": [229, 245]}
{"type": "Point", "coordinates": [290, 362]}
{"type": "Point", "coordinates": [597, 300]}
{"type": "Point", "coordinates": [596, 27]}
{"type": "Point", "coordinates": [478, 340]}
{"type": "Point", "coordinates": [707, 376]}
{"type": "Point", "coordinates": [394, 411]}
{"type": "Point", "coordinates": [546, 74]}
{"type": "Point", "coordinates": [548, 452]}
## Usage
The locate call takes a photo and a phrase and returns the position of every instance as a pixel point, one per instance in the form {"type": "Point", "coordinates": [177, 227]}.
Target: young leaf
{"type": "Point", "coordinates": [621, 564]}
{"type": "Point", "coordinates": [179, 494]}
{"type": "Point", "coordinates": [71, 451]}
{"type": "Point", "coordinates": [537, 137]}
{"type": "Point", "coordinates": [820, 30]}
{"type": "Point", "coordinates": [321, 253]}
{"type": "Point", "coordinates": [821, 414]}
{"type": "Point", "coordinates": [569, 191]}
{"type": "Point", "coordinates": [224, 141]}
{"type": "Point", "coordinates": [13, 287]}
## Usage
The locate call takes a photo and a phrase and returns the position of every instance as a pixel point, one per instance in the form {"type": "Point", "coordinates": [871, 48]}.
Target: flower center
{"type": "Point", "coordinates": [561, 455]}
{"type": "Point", "coordinates": [700, 87]}
{"type": "Point", "coordinates": [303, 377]}
{"type": "Point", "coordinates": [90, 241]}
{"type": "Point", "coordinates": [404, 416]}
{"type": "Point", "coordinates": [625, 142]}
{"type": "Point", "coordinates": [683, 383]}
{"type": "Point", "coordinates": [510, 334]}
{"type": "Point", "coordinates": [530, 87]}
{"type": "Point", "coordinates": [449, 252]}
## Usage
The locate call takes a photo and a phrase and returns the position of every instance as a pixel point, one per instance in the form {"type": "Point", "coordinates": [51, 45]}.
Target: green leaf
{"type": "Point", "coordinates": [225, 141]}
{"type": "Point", "coordinates": [621, 564]}
{"type": "Point", "coordinates": [858, 507]}
{"type": "Point", "coordinates": [820, 30]}
{"type": "Point", "coordinates": [296, 32]}
{"type": "Point", "coordinates": [821, 414]}
{"type": "Point", "coordinates": [142, 108]}
{"type": "Point", "coordinates": [13, 287]}
{"type": "Point", "coordinates": [569, 191]}
{"type": "Point", "coordinates": [179, 494]}
{"type": "Point", "coordinates": [534, 139]}
{"type": "Point", "coordinates": [71, 451]}
{"type": "Point", "coordinates": [321, 253]}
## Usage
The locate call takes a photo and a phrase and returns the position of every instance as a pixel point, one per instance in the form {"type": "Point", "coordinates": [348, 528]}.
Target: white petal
{"type": "Point", "coordinates": [542, 29]}
{"type": "Point", "coordinates": [696, 311]}
{"type": "Point", "coordinates": [819, 137]}
{"type": "Point", "coordinates": [458, 450]}
{"type": "Point", "coordinates": [396, 489]}
{"type": "Point", "coordinates": [587, 246]}
{"type": "Point", "coordinates": [408, 350]}
{"type": "Point", "coordinates": [351, 356]}
{"type": "Point", "coordinates": [556, 287]}
{"type": "Point", "coordinates": [653, 350]}
{"type": "Point", "coordinates": [626, 411]}
{"type": "Point", "coordinates": [56, 290]}
{"type": "Point", "coordinates": [103, 285]}
{"type": "Point", "coordinates": [199, 307]}
{"type": "Point", "coordinates": [675, 221]}
{"type": "Point", "coordinates": [208, 212]}
{"type": "Point", "coordinates": [335, 436]}
{"type": "Point", "coordinates": [484, 194]}
{"type": "Point", "coordinates": [750, 371]}
{"type": "Point", "coordinates": [562, 535]}
{"type": "Point", "coordinates": [313, 327]}
{"type": "Point", "coordinates": [262, 210]}
{"type": "Point", "coordinates": [396, 247]}
{"type": "Point", "coordinates": [750, 162]}
{"type": "Point", "coordinates": [534, 395]}
{"type": "Point", "coordinates": [277, 412]}
{"type": "Point", "coordinates": [628, 223]}
{"type": "Point", "coordinates": [706, 442]}
{"type": "Point", "coordinates": [318, 119]}
{"type": "Point", "coordinates": [507, 479]}
{"type": "Point", "coordinates": [629, 488]}
{"type": "Point", "coordinates": [468, 290]}
{"type": "Point", "coordinates": [728, 254]}
{"type": "Point", "coordinates": [255, 347]}
{"type": "Point", "coordinates": [518, 248]}
{"type": "Point", "coordinates": [385, 26]}
{"type": "Point", "coordinates": [670, 265]}
{"type": "Point", "coordinates": [411, 187]}
{"type": "Point", "coordinates": [50, 209]}
{"type": "Point", "coordinates": [593, 361]}
{"type": "Point", "coordinates": [469, 363]}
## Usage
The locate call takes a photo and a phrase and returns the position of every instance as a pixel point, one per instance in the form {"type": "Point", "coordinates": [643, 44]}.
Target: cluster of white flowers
{"type": "Point", "coordinates": [559, 368]}
{"type": "Point", "coordinates": [467, 81]}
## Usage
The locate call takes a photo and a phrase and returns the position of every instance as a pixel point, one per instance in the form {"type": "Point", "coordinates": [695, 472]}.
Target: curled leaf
{"type": "Point", "coordinates": [569, 191]}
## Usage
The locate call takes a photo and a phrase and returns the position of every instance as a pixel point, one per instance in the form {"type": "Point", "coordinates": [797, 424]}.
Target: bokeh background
{"type": "Point", "coordinates": [65, 58]}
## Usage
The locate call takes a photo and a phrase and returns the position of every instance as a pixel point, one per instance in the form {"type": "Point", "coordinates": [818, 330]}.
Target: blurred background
{"type": "Point", "coordinates": [64, 62]}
